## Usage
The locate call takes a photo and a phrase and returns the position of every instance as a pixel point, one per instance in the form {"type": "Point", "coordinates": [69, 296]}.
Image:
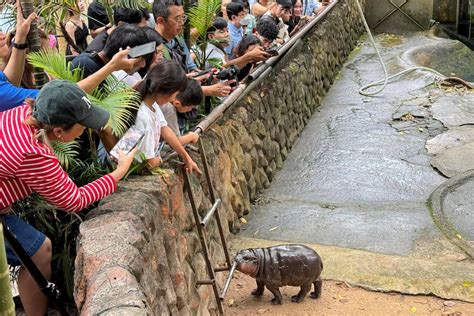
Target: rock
{"type": "Point", "coordinates": [449, 303]}
{"type": "Point", "coordinates": [455, 160]}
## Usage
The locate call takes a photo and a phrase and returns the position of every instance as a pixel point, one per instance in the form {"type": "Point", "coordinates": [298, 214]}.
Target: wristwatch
{"type": "Point", "coordinates": [20, 46]}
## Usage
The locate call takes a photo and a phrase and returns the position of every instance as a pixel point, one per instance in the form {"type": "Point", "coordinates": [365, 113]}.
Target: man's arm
{"type": "Point", "coordinates": [120, 61]}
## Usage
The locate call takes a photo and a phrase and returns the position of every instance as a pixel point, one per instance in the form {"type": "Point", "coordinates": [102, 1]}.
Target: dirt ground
{"type": "Point", "coordinates": [338, 298]}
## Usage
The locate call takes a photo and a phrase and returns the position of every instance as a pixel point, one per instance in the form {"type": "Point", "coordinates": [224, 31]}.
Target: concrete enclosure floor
{"type": "Point", "coordinates": [356, 183]}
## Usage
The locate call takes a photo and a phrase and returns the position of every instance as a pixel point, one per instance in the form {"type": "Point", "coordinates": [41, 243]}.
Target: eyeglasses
{"type": "Point", "coordinates": [181, 19]}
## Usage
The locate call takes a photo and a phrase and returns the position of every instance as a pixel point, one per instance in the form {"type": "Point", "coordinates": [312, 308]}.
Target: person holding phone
{"type": "Point", "coordinates": [28, 165]}
{"type": "Point", "coordinates": [124, 36]}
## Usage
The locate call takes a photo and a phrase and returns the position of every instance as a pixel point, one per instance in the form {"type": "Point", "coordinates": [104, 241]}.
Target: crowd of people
{"type": "Point", "coordinates": [172, 81]}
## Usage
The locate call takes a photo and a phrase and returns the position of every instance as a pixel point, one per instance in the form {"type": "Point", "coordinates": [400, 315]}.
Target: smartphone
{"type": "Point", "coordinates": [131, 139]}
{"type": "Point", "coordinates": [142, 50]}
{"type": "Point", "coordinates": [272, 52]}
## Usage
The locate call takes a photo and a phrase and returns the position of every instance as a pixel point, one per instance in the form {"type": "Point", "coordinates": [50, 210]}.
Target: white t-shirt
{"type": "Point", "coordinates": [150, 121]}
{"type": "Point", "coordinates": [131, 80]}
{"type": "Point", "coordinates": [215, 53]}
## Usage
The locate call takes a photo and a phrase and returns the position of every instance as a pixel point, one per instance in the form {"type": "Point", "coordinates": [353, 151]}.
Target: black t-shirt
{"type": "Point", "coordinates": [98, 43]}
{"type": "Point", "coordinates": [97, 16]}
{"type": "Point", "coordinates": [88, 62]}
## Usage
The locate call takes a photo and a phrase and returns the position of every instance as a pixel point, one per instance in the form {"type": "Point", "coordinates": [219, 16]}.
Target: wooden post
{"type": "Point", "coordinates": [7, 307]}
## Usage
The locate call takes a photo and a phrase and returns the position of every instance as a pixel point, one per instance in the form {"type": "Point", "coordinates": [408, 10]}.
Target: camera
{"type": "Point", "coordinates": [228, 73]}
{"type": "Point", "coordinates": [223, 75]}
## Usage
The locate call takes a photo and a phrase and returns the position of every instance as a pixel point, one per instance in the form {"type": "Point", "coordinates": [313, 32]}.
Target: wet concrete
{"type": "Point", "coordinates": [358, 181]}
{"type": "Point", "coordinates": [359, 175]}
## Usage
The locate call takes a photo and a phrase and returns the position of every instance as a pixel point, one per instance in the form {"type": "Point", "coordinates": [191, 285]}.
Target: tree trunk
{"type": "Point", "coordinates": [7, 307]}
{"type": "Point", "coordinates": [34, 42]}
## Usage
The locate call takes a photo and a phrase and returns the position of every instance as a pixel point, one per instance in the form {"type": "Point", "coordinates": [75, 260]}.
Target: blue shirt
{"type": "Point", "coordinates": [12, 96]}
{"type": "Point", "coordinates": [236, 34]}
{"type": "Point", "coordinates": [309, 6]}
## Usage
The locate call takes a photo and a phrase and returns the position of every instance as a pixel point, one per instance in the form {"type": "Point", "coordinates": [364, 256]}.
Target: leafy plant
{"type": "Point", "coordinates": [201, 17]}
{"type": "Point", "coordinates": [54, 63]}
{"type": "Point", "coordinates": [109, 5]}
{"type": "Point", "coordinates": [66, 153]}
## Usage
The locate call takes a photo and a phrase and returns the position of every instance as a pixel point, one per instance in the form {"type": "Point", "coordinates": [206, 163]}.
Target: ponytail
{"type": "Point", "coordinates": [165, 78]}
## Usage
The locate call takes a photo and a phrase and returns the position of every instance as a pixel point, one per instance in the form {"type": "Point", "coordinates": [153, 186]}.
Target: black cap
{"type": "Point", "coordinates": [62, 102]}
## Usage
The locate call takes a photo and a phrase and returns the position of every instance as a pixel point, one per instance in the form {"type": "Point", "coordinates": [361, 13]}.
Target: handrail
{"type": "Point", "coordinates": [260, 73]}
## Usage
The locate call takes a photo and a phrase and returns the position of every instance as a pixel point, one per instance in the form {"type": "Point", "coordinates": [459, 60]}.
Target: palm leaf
{"type": "Point", "coordinates": [54, 63]}
{"type": "Point", "coordinates": [202, 15]}
{"type": "Point", "coordinates": [66, 153]}
{"type": "Point", "coordinates": [54, 12]}
{"type": "Point", "coordinates": [131, 4]}
{"type": "Point", "coordinates": [118, 100]}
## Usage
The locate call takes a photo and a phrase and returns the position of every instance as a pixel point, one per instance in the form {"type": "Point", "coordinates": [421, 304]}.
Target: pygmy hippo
{"type": "Point", "coordinates": [277, 266]}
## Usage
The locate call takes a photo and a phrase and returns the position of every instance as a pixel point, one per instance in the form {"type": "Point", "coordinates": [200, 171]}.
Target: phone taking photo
{"type": "Point", "coordinates": [130, 140]}
{"type": "Point", "coordinates": [142, 50]}
{"type": "Point", "coordinates": [272, 52]}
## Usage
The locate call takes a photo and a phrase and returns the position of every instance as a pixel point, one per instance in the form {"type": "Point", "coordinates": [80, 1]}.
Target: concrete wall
{"type": "Point", "coordinates": [139, 253]}
{"type": "Point", "coordinates": [420, 10]}
{"type": "Point", "coordinates": [444, 11]}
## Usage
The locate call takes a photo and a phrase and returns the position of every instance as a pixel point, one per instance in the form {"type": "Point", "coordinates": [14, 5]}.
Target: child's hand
{"type": "Point", "coordinates": [193, 137]}
{"type": "Point", "coordinates": [190, 166]}
{"type": "Point", "coordinates": [154, 162]}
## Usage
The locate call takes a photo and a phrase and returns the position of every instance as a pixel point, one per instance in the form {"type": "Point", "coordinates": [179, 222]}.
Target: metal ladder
{"type": "Point", "coordinates": [201, 224]}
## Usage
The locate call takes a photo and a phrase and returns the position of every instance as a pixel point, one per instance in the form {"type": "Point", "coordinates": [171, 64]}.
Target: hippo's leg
{"type": "Point", "coordinates": [305, 288]}
{"type": "Point", "coordinates": [318, 284]}
{"type": "Point", "coordinates": [276, 292]}
{"type": "Point", "coordinates": [259, 290]}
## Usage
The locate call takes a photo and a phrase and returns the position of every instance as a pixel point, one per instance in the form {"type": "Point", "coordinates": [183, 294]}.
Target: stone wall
{"type": "Point", "coordinates": [138, 252]}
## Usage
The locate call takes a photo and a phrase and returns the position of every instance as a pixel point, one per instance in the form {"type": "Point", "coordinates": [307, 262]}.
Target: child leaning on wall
{"type": "Point", "coordinates": [161, 85]}
{"type": "Point", "coordinates": [185, 101]}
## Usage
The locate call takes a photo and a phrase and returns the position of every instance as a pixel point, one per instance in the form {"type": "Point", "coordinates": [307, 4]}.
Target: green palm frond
{"type": "Point", "coordinates": [202, 15]}
{"type": "Point", "coordinates": [54, 12]}
{"type": "Point", "coordinates": [66, 153]}
{"type": "Point", "coordinates": [132, 4]}
{"type": "Point", "coordinates": [118, 101]}
{"type": "Point", "coordinates": [54, 63]}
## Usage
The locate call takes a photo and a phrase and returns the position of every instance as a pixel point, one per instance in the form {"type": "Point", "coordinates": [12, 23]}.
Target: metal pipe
{"type": "Point", "coordinates": [209, 214]}
{"type": "Point", "coordinates": [219, 110]}
{"type": "Point", "coordinates": [227, 281]}
{"type": "Point", "coordinates": [205, 282]}
{"type": "Point", "coordinates": [220, 269]}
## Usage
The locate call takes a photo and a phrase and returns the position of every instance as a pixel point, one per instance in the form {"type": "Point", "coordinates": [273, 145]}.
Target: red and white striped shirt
{"type": "Point", "coordinates": [27, 166]}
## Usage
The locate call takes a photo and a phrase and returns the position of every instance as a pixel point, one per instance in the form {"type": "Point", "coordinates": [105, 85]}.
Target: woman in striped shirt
{"type": "Point", "coordinates": [61, 112]}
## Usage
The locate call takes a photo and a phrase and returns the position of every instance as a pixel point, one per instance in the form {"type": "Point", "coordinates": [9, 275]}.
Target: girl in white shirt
{"type": "Point", "coordinates": [160, 86]}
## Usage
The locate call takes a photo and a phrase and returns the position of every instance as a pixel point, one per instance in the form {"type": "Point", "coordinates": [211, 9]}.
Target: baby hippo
{"type": "Point", "coordinates": [277, 266]}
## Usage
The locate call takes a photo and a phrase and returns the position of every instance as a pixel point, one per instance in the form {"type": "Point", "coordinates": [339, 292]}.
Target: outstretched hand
{"type": "Point", "coordinates": [121, 61]}
{"type": "Point", "coordinates": [22, 25]}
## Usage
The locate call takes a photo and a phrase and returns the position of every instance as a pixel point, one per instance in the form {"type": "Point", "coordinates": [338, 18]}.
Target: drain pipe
{"type": "Point", "coordinates": [259, 74]}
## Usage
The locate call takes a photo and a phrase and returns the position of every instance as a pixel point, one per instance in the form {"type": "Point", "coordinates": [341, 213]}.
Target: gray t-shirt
{"type": "Point", "coordinates": [171, 117]}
